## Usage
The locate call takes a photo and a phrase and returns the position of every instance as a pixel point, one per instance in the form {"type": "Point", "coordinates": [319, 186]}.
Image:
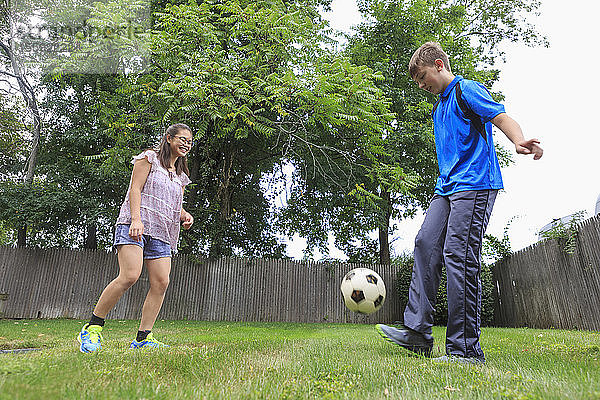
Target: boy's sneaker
{"type": "Point", "coordinates": [90, 338]}
{"type": "Point", "coordinates": [149, 342]}
{"type": "Point", "coordinates": [414, 341]}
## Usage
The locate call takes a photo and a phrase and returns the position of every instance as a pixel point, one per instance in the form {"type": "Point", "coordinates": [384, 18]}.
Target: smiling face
{"type": "Point", "coordinates": [180, 143]}
{"type": "Point", "coordinates": [433, 78]}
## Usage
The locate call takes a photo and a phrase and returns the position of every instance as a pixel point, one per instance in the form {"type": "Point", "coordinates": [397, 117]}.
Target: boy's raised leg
{"type": "Point", "coordinates": [427, 269]}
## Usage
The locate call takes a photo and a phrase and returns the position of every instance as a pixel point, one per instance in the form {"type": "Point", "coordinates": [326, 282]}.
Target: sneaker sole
{"type": "Point", "coordinates": [420, 350]}
{"type": "Point", "coordinates": [80, 348]}
{"type": "Point", "coordinates": [148, 348]}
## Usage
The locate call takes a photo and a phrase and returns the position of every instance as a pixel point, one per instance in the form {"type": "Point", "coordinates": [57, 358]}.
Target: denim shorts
{"type": "Point", "coordinates": [152, 248]}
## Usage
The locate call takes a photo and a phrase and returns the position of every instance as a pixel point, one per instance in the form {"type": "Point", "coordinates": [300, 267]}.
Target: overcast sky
{"type": "Point", "coordinates": [553, 94]}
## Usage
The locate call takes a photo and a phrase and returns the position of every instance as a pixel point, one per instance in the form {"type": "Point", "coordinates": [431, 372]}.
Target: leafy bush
{"type": "Point", "coordinates": [440, 316]}
{"type": "Point", "coordinates": [565, 232]}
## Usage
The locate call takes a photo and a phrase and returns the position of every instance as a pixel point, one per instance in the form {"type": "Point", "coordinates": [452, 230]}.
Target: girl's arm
{"type": "Point", "coordinates": [186, 218]}
{"type": "Point", "coordinates": [141, 169]}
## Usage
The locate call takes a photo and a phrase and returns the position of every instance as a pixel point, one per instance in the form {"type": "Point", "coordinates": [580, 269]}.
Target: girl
{"type": "Point", "coordinates": [147, 229]}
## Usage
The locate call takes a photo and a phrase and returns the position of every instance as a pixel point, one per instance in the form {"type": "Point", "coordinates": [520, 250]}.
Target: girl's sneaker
{"type": "Point", "coordinates": [90, 338]}
{"type": "Point", "coordinates": [149, 342]}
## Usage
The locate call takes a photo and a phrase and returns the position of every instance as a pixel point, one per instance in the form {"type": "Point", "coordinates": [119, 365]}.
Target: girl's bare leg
{"type": "Point", "coordinates": [158, 275]}
{"type": "Point", "coordinates": [131, 259]}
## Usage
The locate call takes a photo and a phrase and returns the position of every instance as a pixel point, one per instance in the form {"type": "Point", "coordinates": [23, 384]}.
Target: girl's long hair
{"type": "Point", "coordinates": [164, 150]}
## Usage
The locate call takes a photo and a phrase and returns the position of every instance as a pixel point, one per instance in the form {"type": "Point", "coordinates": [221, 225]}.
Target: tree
{"type": "Point", "coordinates": [12, 155]}
{"type": "Point", "coordinates": [14, 74]}
{"type": "Point", "coordinates": [89, 115]}
{"type": "Point", "coordinates": [261, 93]}
{"type": "Point", "coordinates": [69, 201]}
{"type": "Point", "coordinates": [470, 32]}
{"type": "Point", "coordinates": [252, 79]}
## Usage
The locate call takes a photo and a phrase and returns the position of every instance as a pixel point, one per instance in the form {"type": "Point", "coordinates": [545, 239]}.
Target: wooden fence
{"type": "Point", "coordinates": [67, 283]}
{"type": "Point", "coordinates": [544, 287]}
{"type": "Point", "coordinates": [539, 287]}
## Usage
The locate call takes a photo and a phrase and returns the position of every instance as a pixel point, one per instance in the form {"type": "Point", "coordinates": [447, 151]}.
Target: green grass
{"type": "Point", "coordinates": [221, 360]}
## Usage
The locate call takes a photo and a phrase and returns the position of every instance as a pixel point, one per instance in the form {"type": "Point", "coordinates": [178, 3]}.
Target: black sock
{"type": "Point", "coordinates": [96, 320]}
{"type": "Point", "coordinates": [141, 335]}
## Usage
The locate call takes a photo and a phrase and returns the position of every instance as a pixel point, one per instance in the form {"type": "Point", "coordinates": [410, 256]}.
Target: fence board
{"type": "Point", "coordinates": [67, 283]}
{"type": "Point", "coordinates": [543, 287]}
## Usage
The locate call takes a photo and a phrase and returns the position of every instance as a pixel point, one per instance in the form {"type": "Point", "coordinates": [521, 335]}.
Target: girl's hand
{"type": "Point", "coordinates": [136, 229]}
{"type": "Point", "coordinates": [187, 219]}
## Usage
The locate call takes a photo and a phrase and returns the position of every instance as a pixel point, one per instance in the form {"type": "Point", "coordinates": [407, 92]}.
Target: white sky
{"type": "Point", "coordinates": [553, 94]}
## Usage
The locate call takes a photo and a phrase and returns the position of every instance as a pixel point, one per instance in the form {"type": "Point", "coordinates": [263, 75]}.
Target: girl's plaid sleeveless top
{"type": "Point", "coordinates": [162, 200]}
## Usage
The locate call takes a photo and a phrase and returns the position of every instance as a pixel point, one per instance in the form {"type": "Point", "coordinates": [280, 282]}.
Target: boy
{"type": "Point", "coordinates": [459, 211]}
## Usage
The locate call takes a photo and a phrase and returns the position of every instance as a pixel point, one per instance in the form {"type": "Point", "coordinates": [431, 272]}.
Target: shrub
{"type": "Point", "coordinates": [440, 316]}
{"type": "Point", "coordinates": [565, 232]}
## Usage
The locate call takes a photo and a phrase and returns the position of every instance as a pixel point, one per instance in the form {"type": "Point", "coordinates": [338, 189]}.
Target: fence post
{"type": "Point", "coordinates": [3, 298]}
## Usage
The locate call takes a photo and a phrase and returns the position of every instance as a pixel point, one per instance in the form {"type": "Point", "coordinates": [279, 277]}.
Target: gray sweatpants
{"type": "Point", "coordinates": [451, 235]}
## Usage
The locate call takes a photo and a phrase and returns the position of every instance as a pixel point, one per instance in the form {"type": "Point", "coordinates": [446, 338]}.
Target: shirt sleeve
{"type": "Point", "coordinates": [184, 179]}
{"type": "Point", "coordinates": [148, 154]}
{"type": "Point", "coordinates": [480, 101]}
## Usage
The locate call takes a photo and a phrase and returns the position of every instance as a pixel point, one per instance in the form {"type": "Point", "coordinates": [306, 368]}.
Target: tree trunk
{"type": "Point", "coordinates": [28, 95]}
{"type": "Point", "coordinates": [194, 167]}
{"type": "Point", "coordinates": [224, 192]}
{"type": "Point", "coordinates": [223, 197]}
{"type": "Point", "coordinates": [384, 242]}
{"type": "Point", "coordinates": [22, 235]}
{"type": "Point", "coordinates": [91, 239]}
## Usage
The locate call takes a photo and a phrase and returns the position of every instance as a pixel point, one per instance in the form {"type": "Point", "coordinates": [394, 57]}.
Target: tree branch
{"type": "Point", "coordinates": [473, 33]}
{"type": "Point", "coordinates": [9, 74]}
{"type": "Point", "coordinates": [5, 49]}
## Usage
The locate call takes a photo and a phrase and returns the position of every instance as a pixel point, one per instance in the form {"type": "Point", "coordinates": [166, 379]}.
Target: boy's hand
{"type": "Point", "coordinates": [530, 147]}
{"type": "Point", "coordinates": [187, 220]}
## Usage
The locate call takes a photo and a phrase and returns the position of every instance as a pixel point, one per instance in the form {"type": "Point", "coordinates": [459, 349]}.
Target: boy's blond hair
{"type": "Point", "coordinates": [426, 56]}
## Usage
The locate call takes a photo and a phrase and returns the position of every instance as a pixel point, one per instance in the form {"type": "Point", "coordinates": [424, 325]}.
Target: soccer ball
{"type": "Point", "coordinates": [363, 290]}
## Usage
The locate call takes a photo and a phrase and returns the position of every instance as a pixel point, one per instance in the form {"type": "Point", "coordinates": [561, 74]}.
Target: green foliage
{"type": "Point", "coordinates": [405, 263]}
{"type": "Point", "coordinates": [488, 287]}
{"type": "Point", "coordinates": [74, 198]}
{"type": "Point", "coordinates": [262, 93]}
{"type": "Point", "coordinates": [7, 234]}
{"type": "Point", "coordinates": [245, 81]}
{"type": "Point", "coordinates": [259, 91]}
{"type": "Point", "coordinates": [56, 216]}
{"type": "Point", "coordinates": [495, 249]}
{"type": "Point", "coordinates": [470, 33]}
{"type": "Point", "coordinates": [98, 38]}
{"type": "Point", "coordinates": [12, 144]}
{"type": "Point", "coordinates": [565, 232]}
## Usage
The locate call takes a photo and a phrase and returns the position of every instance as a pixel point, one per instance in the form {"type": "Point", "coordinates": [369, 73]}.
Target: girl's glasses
{"type": "Point", "coordinates": [185, 140]}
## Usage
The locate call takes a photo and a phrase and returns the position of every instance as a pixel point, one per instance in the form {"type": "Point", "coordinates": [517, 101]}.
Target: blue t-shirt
{"type": "Point", "coordinates": [466, 161]}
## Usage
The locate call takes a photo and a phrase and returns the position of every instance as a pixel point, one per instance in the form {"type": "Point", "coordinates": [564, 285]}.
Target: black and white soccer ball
{"type": "Point", "coordinates": [363, 290]}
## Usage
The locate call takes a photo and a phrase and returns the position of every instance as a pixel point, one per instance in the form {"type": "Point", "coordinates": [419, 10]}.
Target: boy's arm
{"type": "Point", "coordinates": [513, 131]}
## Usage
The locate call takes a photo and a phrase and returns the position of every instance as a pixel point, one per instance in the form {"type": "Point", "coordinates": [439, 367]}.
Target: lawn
{"type": "Point", "coordinates": [224, 360]}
